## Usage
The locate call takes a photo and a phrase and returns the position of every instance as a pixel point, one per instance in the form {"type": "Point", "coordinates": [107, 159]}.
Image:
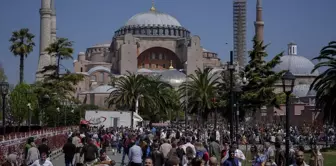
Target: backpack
{"type": "Point", "coordinates": [199, 154]}
{"type": "Point", "coordinates": [180, 153]}
{"type": "Point", "coordinates": [189, 153]}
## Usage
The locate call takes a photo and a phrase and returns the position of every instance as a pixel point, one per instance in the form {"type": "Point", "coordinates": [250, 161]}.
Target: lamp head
{"type": "Point", "coordinates": [288, 81]}
{"type": "Point", "coordinates": [58, 109]}
{"type": "Point", "coordinates": [244, 80]}
{"type": "Point", "coordinates": [29, 105]}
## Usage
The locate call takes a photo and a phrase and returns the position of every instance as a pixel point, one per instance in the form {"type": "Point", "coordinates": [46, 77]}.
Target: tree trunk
{"type": "Point", "coordinates": [58, 65]}
{"type": "Point", "coordinates": [21, 68]}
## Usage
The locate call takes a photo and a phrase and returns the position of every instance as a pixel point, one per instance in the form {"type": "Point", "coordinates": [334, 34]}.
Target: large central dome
{"type": "Point", "coordinates": [153, 17]}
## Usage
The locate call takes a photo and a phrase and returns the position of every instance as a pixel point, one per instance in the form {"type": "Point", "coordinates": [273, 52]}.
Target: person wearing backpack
{"type": "Point", "coordinates": [90, 152]}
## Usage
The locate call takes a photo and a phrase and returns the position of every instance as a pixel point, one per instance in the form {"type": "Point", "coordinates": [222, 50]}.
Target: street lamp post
{"type": "Point", "coordinates": [231, 69]}
{"type": "Point", "coordinates": [58, 111]}
{"type": "Point", "coordinates": [4, 91]}
{"type": "Point", "coordinates": [29, 116]}
{"type": "Point", "coordinates": [215, 125]}
{"type": "Point", "coordinates": [237, 91]}
{"type": "Point", "coordinates": [288, 80]}
{"type": "Point", "coordinates": [45, 100]}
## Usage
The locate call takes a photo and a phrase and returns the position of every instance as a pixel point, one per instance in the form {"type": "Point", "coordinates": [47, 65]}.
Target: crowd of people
{"type": "Point", "coordinates": [160, 146]}
{"type": "Point", "coordinates": [172, 146]}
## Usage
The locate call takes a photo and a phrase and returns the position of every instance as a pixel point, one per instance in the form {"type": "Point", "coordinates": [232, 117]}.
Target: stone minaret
{"type": "Point", "coordinates": [53, 28]}
{"type": "Point", "coordinates": [47, 34]}
{"type": "Point", "coordinates": [259, 23]}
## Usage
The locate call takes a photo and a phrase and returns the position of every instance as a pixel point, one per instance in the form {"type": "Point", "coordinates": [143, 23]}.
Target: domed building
{"type": "Point", "coordinates": [301, 67]}
{"type": "Point", "coordinates": [150, 42]}
{"type": "Point", "coordinates": [302, 107]}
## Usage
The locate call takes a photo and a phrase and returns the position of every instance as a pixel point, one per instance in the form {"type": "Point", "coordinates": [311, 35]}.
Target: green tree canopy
{"type": "Point", "coordinates": [22, 45]}
{"type": "Point", "coordinates": [199, 91]}
{"type": "Point", "coordinates": [325, 83]}
{"type": "Point", "coordinates": [259, 90]}
{"type": "Point", "coordinates": [19, 99]}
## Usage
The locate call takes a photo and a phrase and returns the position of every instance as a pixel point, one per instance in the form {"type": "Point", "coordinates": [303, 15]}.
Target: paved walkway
{"type": "Point", "coordinates": [59, 161]}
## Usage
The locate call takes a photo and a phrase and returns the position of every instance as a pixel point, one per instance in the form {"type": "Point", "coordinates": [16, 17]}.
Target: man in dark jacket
{"type": "Point", "coordinates": [90, 152]}
{"type": "Point", "coordinates": [44, 148]}
{"type": "Point", "coordinates": [69, 150]}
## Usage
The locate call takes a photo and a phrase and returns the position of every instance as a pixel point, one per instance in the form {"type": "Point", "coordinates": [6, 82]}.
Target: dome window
{"type": "Point", "coordinates": [153, 55]}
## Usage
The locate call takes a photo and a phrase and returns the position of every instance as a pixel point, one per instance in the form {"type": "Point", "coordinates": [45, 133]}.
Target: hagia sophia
{"type": "Point", "coordinates": [154, 42]}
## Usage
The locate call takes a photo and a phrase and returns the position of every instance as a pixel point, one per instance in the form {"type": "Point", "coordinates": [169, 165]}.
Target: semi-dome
{"type": "Point", "coordinates": [153, 17]}
{"type": "Point", "coordinates": [99, 68]}
{"type": "Point", "coordinates": [298, 65]}
{"type": "Point", "coordinates": [173, 77]}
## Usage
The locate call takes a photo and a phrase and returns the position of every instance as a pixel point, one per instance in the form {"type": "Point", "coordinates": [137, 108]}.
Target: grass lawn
{"type": "Point", "coordinates": [329, 158]}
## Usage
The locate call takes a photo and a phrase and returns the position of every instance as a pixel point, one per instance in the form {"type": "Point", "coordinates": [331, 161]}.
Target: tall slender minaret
{"type": "Point", "coordinates": [259, 23]}
{"type": "Point", "coordinates": [45, 37]}
{"type": "Point", "coordinates": [53, 28]}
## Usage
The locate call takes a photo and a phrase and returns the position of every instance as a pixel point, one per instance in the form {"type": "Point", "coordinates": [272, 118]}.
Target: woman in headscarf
{"type": "Point", "coordinates": [28, 146]}
{"type": "Point", "coordinates": [33, 154]}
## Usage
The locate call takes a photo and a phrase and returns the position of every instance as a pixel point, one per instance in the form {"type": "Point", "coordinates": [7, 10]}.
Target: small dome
{"type": "Point", "coordinates": [98, 68]}
{"type": "Point", "coordinates": [298, 65]}
{"type": "Point", "coordinates": [143, 70]}
{"type": "Point", "coordinates": [153, 18]}
{"type": "Point", "coordinates": [173, 77]}
{"type": "Point", "coordinates": [301, 90]}
{"type": "Point", "coordinates": [103, 89]}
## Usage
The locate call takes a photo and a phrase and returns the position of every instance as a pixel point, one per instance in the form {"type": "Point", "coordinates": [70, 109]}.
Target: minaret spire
{"type": "Point", "coordinates": [45, 36]}
{"type": "Point", "coordinates": [153, 6]}
{"type": "Point", "coordinates": [259, 23]}
{"type": "Point", "coordinates": [53, 27]}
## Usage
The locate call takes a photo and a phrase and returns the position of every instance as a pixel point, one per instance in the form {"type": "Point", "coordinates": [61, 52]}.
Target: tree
{"type": "Point", "coordinates": [59, 86]}
{"type": "Point", "coordinates": [55, 82]}
{"type": "Point", "coordinates": [199, 92]}
{"type": "Point", "coordinates": [259, 90]}
{"type": "Point", "coordinates": [22, 45]}
{"type": "Point", "coordinates": [62, 50]}
{"type": "Point", "coordinates": [152, 95]}
{"type": "Point", "coordinates": [3, 76]}
{"type": "Point", "coordinates": [19, 99]}
{"type": "Point", "coordinates": [325, 84]}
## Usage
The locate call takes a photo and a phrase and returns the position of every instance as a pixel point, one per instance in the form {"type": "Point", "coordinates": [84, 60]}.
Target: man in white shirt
{"type": "Point", "coordinates": [188, 143]}
{"type": "Point", "coordinates": [239, 154]}
{"type": "Point", "coordinates": [42, 161]}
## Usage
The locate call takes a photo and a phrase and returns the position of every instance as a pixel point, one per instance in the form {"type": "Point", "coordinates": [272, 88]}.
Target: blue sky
{"type": "Point", "coordinates": [309, 23]}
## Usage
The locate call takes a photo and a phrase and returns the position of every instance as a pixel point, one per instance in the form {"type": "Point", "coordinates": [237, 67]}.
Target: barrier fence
{"type": "Point", "coordinates": [14, 143]}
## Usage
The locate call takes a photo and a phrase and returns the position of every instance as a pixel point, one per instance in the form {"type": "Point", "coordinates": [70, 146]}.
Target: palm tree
{"type": "Point", "coordinates": [61, 49]}
{"type": "Point", "coordinates": [128, 90]}
{"type": "Point", "coordinates": [157, 99]}
{"type": "Point", "coordinates": [22, 45]}
{"type": "Point", "coordinates": [201, 88]}
{"type": "Point", "coordinates": [325, 83]}
{"type": "Point", "coordinates": [151, 93]}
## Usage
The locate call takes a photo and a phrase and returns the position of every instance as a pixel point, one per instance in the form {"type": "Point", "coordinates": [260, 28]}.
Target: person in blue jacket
{"type": "Point", "coordinates": [232, 160]}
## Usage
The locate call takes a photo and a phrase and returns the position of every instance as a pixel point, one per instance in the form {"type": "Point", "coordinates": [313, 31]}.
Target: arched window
{"type": "Point", "coordinates": [81, 69]}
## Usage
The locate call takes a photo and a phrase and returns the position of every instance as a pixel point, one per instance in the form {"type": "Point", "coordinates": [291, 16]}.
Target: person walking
{"type": "Point", "coordinates": [69, 150]}
{"type": "Point", "coordinates": [135, 154]}
{"type": "Point", "coordinates": [44, 148]}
